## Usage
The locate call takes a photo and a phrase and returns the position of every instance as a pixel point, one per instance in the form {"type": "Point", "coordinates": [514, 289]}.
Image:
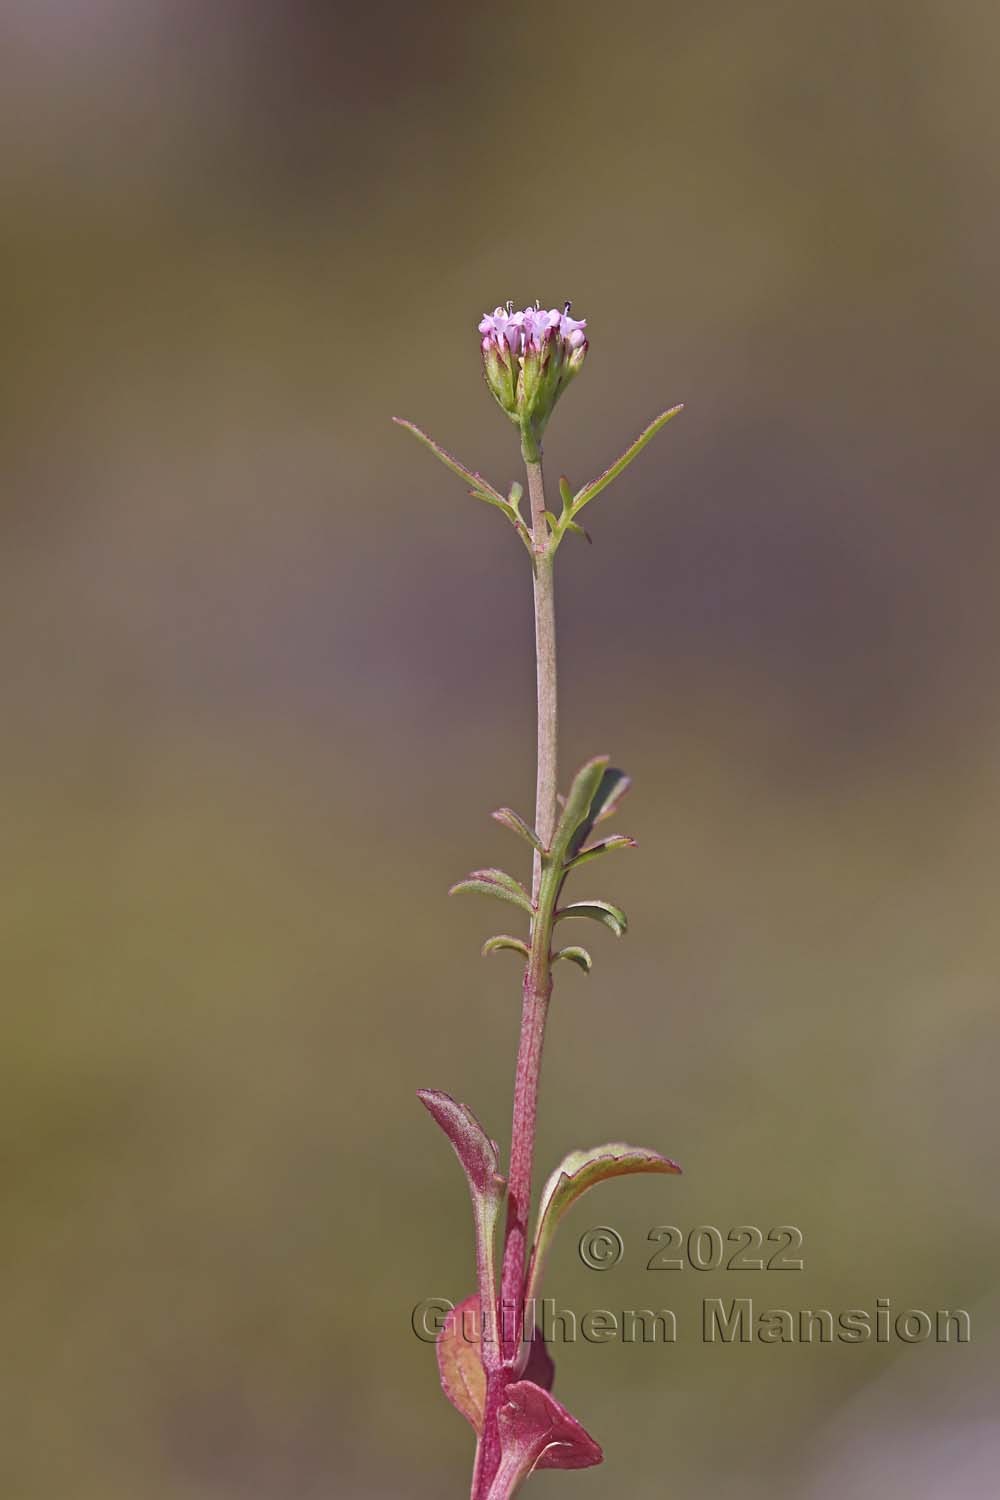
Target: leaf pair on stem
{"type": "Point", "coordinates": [594, 795]}
{"type": "Point", "coordinates": [572, 504]}
{"type": "Point", "coordinates": [534, 1429]}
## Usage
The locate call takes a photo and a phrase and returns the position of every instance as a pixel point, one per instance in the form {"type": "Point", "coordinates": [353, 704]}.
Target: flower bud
{"type": "Point", "coordinates": [529, 357]}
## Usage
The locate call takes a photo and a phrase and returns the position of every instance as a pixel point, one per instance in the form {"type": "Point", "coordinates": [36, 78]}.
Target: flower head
{"type": "Point", "coordinates": [529, 357]}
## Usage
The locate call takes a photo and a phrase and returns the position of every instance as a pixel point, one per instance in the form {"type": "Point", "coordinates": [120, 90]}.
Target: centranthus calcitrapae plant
{"type": "Point", "coordinates": [495, 1368]}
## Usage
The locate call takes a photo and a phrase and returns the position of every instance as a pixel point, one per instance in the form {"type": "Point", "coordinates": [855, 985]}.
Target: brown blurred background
{"type": "Point", "coordinates": [266, 669]}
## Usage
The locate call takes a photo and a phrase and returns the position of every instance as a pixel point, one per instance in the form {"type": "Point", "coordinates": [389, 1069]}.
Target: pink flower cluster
{"type": "Point", "coordinates": [529, 358]}
{"type": "Point", "coordinates": [519, 333]}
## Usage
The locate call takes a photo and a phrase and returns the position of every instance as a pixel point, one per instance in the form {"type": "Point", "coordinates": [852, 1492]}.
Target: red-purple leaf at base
{"type": "Point", "coordinates": [460, 1364]}
{"type": "Point", "coordinates": [541, 1367]}
{"type": "Point", "coordinates": [463, 1379]}
{"type": "Point", "coordinates": [537, 1432]}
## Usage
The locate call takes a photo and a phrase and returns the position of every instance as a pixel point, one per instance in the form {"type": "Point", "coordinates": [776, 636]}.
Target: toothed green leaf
{"type": "Point", "coordinates": [512, 820]}
{"type": "Point", "coordinates": [583, 497]}
{"type": "Point", "coordinates": [576, 1173]}
{"type": "Point", "coordinates": [495, 883]}
{"type": "Point", "coordinates": [614, 841]}
{"type": "Point", "coordinates": [503, 940]}
{"type": "Point", "coordinates": [597, 911]}
{"type": "Point", "coordinates": [480, 486]}
{"type": "Point", "coordinates": [578, 956]}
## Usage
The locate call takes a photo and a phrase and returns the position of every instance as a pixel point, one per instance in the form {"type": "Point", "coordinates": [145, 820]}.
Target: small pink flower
{"type": "Point", "coordinates": [529, 357]}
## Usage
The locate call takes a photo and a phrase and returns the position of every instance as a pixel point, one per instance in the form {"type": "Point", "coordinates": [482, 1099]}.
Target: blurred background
{"type": "Point", "coordinates": [266, 669]}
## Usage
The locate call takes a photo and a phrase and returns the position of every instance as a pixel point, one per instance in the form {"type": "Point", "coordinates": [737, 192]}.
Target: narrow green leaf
{"type": "Point", "coordinates": [597, 911]}
{"type": "Point", "coordinates": [565, 492]}
{"type": "Point", "coordinates": [612, 788]}
{"type": "Point", "coordinates": [576, 1173]}
{"type": "Point", "coordinates": [500, 503]}
{"type": "Point", "coordinates": [516, 491]}
{"type": "Point", "coordinates": [503, 940]}
{"type": "Point", "coordinates": [578, 956]}
{"type": "Point", "coordinates": [502, 878]}
{"type": "Point", "coordinates": [583, 497]}
{"type": "Point", "coordinates": [614, 785]}
{"type": "Point", "coordinates": [614, 841]}
{"type": "Point", "coordinates": [495, 883]}
{"type": "Point", "coordinates": [480, 486]}
{"type": "Point", "coordinates": [512, 820]}
{"type": "Point", "coordinates": [577, 804]}
{"type": "Point", "coordinates": [579, 530]}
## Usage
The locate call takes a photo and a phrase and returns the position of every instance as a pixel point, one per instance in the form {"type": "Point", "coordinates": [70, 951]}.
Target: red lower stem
{"type": "Point", "coordinates": [536, 993]}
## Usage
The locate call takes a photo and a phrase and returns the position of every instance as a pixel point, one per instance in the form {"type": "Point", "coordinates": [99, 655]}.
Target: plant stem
{"type": "Point", "coordinates": [537, 990]}
{"type": "Point", "coordinates": [545, 652]}
{"type": "Point", "coordinates": [537, 978]}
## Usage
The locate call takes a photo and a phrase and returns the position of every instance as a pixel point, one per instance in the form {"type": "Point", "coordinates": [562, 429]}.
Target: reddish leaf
{"type": "Point", "coordinates": [462, 1377]}
{"type": "Point", "coordinates": [473, 1147]}
{"type": "Point", "coordinates": [480, 1161]}
{"type": "Point", "coordinates": [460, 1365]}
{"type": "Point", "coordinates": [537, 1432]}
{"type": "Point", "coordinates": [540, 1368]}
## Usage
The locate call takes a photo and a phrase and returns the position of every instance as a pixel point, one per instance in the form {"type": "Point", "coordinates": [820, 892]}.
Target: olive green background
{"type": "Point", "coordinates": [266, 669]}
